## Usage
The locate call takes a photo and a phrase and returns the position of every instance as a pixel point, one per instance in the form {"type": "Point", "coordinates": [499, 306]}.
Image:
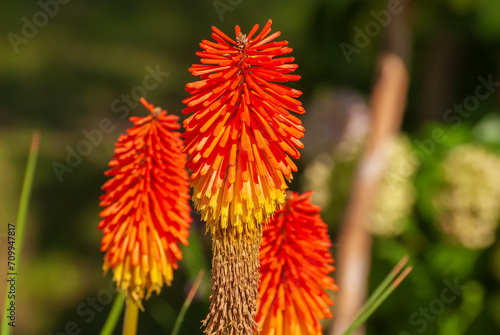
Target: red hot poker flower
{"type": "Point", "coordinates": [147, 205]}
{"type": "Point", "coordinates": [240, 139]}
{"type": "Point", "coordinates": [295, 267]}
{"type": "Point", "coordinates": [241, 135]}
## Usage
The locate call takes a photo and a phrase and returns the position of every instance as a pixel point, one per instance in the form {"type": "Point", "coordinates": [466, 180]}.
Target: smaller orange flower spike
{"type": "Point", "coordinates": [147, 205]}
{"type": "Point", "coordinates": [295, 267]}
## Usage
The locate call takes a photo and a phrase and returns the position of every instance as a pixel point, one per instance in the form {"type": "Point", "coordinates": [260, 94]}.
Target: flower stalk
{"type": "Point", "coordinates": [131, 318]}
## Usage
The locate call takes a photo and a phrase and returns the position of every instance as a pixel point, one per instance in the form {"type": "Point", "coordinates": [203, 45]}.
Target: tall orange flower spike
{"type": "Point", "coordinates": [147, 209]}
{"type": "Point", "coordinates": [241, 137]}
{"type": "Point", "coordinates": [295, 267]}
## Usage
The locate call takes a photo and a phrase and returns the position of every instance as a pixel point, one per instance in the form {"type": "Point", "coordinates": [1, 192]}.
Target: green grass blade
{"type": "Point", "coordinates": [187, 303]}
{"type": "Point", "coordinates": [194, 260]}
{"type": "Point", "coordinates": [21, 217]}
{"type": "Point", "coordinates": [373, 307]}
{"type": "Point", "coordinates": [114, 315]}
{"type": "Point", "coordinates": [380, 294]}
{"type": "Point", "coordinates": [386, 282]}
{"type": "Point", "coordinates": [27, 185]}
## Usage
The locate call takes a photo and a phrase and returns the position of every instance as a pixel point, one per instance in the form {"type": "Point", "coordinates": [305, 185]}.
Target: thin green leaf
{"type": "Point", "coordinates": [380, 294]}
{"type": "Point", "coordinates": [386, 282]}
{"type": "Point", "coordinates": [114, 315]}
{"type": "Point", "coordinates": [21, 218]}
{"type": "Point", "coordinates": [187, 303]}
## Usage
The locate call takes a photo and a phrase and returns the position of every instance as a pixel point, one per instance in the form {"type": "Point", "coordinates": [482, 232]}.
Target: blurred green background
{"type": "Point", "coordinates": [65, 78]}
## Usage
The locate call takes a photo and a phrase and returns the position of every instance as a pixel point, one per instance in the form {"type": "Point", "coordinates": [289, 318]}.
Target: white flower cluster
{"type": "Point", "coordinates": [468, 205]}
{"type": "Point", "coordinates": [396, 194]}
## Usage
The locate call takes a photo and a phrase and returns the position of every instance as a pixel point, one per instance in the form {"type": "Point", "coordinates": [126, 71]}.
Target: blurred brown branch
{"type": "Point", "coordinates": [387, 107]}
